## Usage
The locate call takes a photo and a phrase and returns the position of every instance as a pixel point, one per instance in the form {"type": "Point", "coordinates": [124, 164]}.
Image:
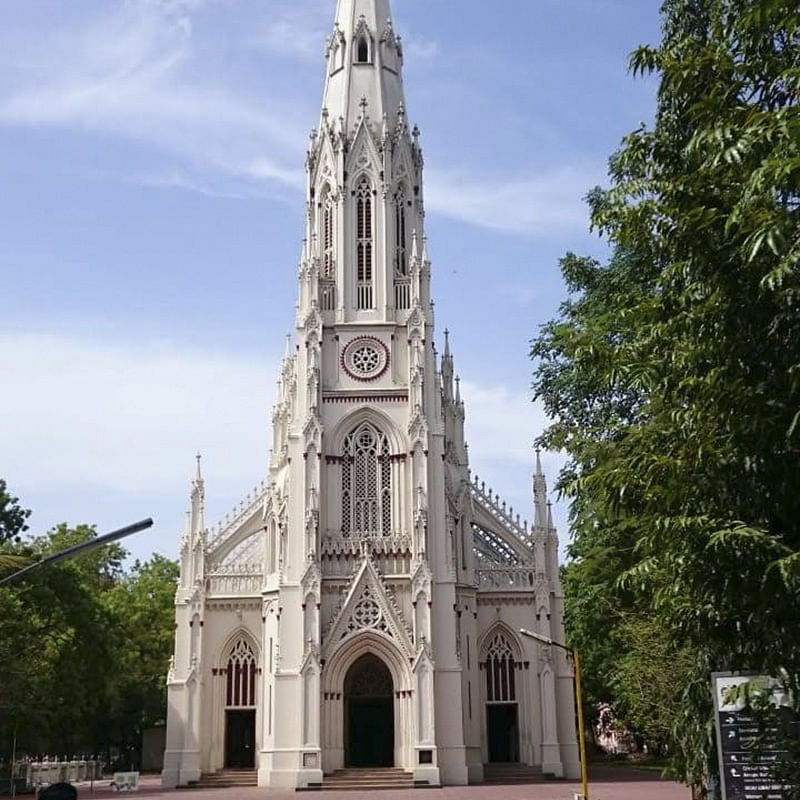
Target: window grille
{"type": "Point", "coordinates": [241, 676]}
{"type": "Point", "coordinates": [364, 245]}
{"type": "Point", "coordinates": [328, 295]}
{"type": "Point", "coordinates": [500, 674]}
{"type": "Point", "coordinates": [366, 483]}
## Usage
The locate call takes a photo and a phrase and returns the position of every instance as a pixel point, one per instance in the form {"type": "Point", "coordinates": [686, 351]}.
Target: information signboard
{"type": "Point", "coordinates": [746, 756]}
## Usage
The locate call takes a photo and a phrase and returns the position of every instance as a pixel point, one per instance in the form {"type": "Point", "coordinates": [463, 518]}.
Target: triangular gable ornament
{"type": "Point", "coordinates": [367, 609]}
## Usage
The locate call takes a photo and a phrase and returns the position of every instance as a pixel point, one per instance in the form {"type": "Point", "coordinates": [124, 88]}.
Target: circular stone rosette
{"type": "Point", "coordinates": [365, 358]}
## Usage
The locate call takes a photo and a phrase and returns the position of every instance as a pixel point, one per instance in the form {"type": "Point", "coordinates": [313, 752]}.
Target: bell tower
{"type": "Point", "coordinates": [363, 561]}
{"type": "Point", "coordinates": [364, 169]}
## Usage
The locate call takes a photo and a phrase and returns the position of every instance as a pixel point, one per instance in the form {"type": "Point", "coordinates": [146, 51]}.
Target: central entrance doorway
{"type": "Point", "coordinates": [369, 714]}
{"type": "Point", "coordinates": [240, 739]}
{"type": "Point", "coordinates": [501, 723]}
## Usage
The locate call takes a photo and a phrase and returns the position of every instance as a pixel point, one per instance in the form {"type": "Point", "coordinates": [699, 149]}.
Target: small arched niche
{"type": "Point", "coordinates": [363, 49]}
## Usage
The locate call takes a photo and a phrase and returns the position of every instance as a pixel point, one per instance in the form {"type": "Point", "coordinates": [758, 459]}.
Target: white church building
{"type": "Point", "coordinates": [362, 607]}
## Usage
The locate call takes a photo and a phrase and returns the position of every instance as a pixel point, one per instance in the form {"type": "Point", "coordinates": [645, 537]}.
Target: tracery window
{"type": "Point", "coordinates": [364, 244]}
{"type": "Point", "coordinates": [500, 674]}
{"type": "Point", "coordinates": [328, 233]}
{"type": "Point", "coordinates": [366, 483]}
{"type": "Point", "coordinates": [241, 676]}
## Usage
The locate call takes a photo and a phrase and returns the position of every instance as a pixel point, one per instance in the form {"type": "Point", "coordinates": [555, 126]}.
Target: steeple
{"type": "Point", "coordinates": [197, 503]}
{"type": "Point", "coordinates": [193, 544]}
{"type": "Point", "coordinates": [364, 66]}
{"type": "Point", "coordinates": [367, 256]}
{"type": "Point", "coordinates": [540, 495]}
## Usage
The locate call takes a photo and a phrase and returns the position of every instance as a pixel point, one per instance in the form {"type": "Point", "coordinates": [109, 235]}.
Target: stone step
{"type": "Point", "coordinates": [368, 779]}
{"type": "Point", "coordinates": [228, 779]}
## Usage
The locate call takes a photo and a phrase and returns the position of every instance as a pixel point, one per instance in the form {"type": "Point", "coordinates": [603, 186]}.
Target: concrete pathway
{"type": "Point", "coordinates": [606, 784]}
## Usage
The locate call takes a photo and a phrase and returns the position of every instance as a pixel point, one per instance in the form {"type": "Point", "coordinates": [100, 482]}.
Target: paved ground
{"type": "Point", "coordinates": [605, 785]}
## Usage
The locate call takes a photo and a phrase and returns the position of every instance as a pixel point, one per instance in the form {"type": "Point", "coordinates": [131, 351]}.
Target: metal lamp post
{"type": "Point", "coordinates": [91, 544]}
{"type": "Point", "coordinates": [578, 698]}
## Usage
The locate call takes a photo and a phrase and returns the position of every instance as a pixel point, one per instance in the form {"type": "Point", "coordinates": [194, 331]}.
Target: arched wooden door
{"type": "Point", "coordinates": [369, 714]}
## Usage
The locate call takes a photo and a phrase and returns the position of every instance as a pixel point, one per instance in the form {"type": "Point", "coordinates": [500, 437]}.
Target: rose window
{"type": "Point", "coordinates": [365, 358]}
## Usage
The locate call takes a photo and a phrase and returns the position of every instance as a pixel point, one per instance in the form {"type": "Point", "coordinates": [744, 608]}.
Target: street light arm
{"type": "Point", "coordinates": [578, 701]}
{"type": "Point", "coordinates": [544, 639]}
{"type": "Point", "coordinates": [77, 549]}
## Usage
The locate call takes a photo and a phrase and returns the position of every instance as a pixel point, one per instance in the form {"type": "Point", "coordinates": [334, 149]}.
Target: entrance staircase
{"type": "Point", "coordinates": [511, 773]}
{"type": "Point", "coordinates": [228, 779]}
{"type": "Point", "coordinates": [369, 778]}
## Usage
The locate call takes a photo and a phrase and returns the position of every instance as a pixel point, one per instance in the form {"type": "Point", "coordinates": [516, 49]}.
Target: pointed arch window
{"type": "Point", "coordinates": [500, 671]}
{"type": "Point", "coordinates": [402, 283]}
{"type": "Point", "coordinates": [362, 49]}
{"type": "Point", "coordinates": [327, 235]}
{"type": "Point", "coordinates": [366, 483]}
{"type": "Point", "coordinates": [401, 234]}
{"type": "Point", "coordinates": [240, 688]}
{"type": "Point", "coordinates": [364, 244]}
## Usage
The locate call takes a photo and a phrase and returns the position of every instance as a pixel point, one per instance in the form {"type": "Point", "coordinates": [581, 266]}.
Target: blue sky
{"type": "Point", "coordinates": [151, 213]}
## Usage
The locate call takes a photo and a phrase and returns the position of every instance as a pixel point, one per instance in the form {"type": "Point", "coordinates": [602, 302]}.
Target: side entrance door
{"type": "Point", "coordinates": [240, 739]}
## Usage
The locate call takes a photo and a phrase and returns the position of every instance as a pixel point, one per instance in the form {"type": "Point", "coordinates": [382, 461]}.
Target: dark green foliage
{"type": "Point", "coordinates": [85, 647]}
{"type": "Point", "coordinates": [12, 515]}
{"type": "Point", "coordinates": [673, 373]}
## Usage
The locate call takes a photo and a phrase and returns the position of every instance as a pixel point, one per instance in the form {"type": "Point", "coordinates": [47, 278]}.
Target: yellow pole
{"type": "Point", "coordinates": [581, 727]}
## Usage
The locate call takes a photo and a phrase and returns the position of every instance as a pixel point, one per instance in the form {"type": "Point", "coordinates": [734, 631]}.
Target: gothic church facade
{"type": "Point", "coordinates": [362, 606]}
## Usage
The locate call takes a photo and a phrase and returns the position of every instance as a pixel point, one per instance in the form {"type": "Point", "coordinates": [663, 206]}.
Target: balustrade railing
{"type": "Point", "coordinates": [246, 579]}
{"type": "Point", "coordinates": [506, 579]}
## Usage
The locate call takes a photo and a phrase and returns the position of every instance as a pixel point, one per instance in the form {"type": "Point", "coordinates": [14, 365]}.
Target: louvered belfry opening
{"type": "Point", "coordinates": [364, 245]}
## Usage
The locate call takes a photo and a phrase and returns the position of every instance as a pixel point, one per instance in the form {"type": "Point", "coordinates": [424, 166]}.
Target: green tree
{"type": "Point", "coordinates": [143, 606]}
{"type": "Point", "coordinates": [674, 372]}
{"type": "Point", "coordinates": [12, 524]}
{"type": "Point", "coordinates": [84, 647]}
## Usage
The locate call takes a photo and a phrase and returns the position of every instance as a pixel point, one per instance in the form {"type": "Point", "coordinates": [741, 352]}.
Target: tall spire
{"type": "Point", "coordinates": [365, 61]}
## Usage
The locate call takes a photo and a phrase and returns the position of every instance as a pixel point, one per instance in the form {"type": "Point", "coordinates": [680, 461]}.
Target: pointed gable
{"type": "Point", "coordinates": [368, 606]}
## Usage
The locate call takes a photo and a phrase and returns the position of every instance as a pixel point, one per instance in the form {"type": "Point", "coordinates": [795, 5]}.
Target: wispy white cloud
{"type": "Point", "coordinates": [501, 426]}
{"type": "Point", "coordinates": [417, 49]}
{"type": "Point", "coordinates": [551, 201]}
{"type": "Point", "coordinates": [293, 31]}
{"type": "Point", "coordinates": [135, 73]}
{"type": "Point", "coordinates": [128, 416]}
{"type": "Point", "coordinates": [93, 417]}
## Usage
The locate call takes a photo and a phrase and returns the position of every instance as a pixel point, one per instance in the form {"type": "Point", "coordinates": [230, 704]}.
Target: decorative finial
{"type": "Point", "coordinates": [198, 457]}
